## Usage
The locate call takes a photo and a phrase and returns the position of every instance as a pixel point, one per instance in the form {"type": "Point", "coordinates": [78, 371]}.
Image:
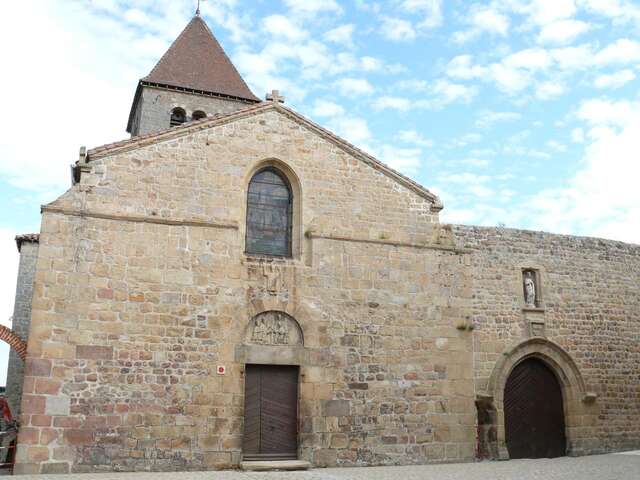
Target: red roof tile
{"type": "Point", "coordinates": [196, 61]}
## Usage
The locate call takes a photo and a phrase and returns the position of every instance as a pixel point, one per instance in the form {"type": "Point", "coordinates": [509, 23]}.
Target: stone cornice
{"type": "Point", "coordinates": [393, 243]}
{"type": "Point", "coordinates": [138, 218]}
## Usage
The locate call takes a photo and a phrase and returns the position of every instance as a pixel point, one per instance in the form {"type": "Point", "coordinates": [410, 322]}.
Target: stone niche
{"type": "Point", "coordinates": [273, 328]}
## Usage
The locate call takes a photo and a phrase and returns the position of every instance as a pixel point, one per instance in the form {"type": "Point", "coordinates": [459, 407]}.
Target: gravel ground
{"type": "Point", "coordinates": [598, 467]}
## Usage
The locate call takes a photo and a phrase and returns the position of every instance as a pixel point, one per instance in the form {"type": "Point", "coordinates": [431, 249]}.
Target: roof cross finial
{"type": "Point", "coordinates": [198, 9]}
{"type": "Point", "coordinates": [275, 97]}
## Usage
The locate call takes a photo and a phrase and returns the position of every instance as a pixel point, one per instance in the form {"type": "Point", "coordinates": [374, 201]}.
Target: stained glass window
{"type": "Point", "coordinates": [269, 211]}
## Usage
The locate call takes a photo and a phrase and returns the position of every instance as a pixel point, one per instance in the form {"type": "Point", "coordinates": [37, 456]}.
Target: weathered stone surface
{"type": "Point", "coordinates": [139, 299]}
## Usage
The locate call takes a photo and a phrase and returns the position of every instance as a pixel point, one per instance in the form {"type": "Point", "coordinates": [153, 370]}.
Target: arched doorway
{"type": "Point", "coordinates": [534, 412]}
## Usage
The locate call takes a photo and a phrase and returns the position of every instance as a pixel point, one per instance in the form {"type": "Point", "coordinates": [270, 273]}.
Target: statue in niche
{"type": "Point", "coordinates": [274, 328]}
{"type": "Point", "coordinates": [529, 289]}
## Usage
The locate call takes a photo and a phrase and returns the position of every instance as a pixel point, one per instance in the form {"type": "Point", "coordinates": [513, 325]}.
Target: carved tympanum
{"type": "Point", "coordinates": [274, 328]}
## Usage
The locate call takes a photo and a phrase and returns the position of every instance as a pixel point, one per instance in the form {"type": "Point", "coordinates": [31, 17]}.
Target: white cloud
{"type": "Point", "coordinates": [313, 7]}
{"type": "Point", "coordinates": [342, 35]}
{"type": "Point", "coordinates": [483, 20]}
{"type": "Point", "coordinates": [529, 59]}
{"type": "Point", "coordinates": [622, 51]}
{"type": "Point", "coordinates": [431, 9]}
{"type": "Point", "coordinates": [577, 135]}
{"type": "Point", "coordinates": [404, 159]}
{"type": "Point", "coordinates": [397, 29]}
{"type": "Point", "coordinates": [281, 26]}
{"type": "Point", "coordinates": [562, 31]}
{"type": "Point", "coordinates": [325, 108]}
{"type": "Point", "coordinates": [573, 58]}
{"type": "Point", "coordinates": [446, 92]}
{"type": "Point", "coordinates": [474, 162]}
{"type": "Point", "coordinates": [509, 80]}
{"type": "Point", "coordinates": [464, 178]}
{"type": "Point", "coordinates": [354, 86]}
{"type": "Point", "coordinates": [614, 80]}
{"type": "Point", "coordinates": [392, 103]}
{"type": "Point", "coordinates": [462, 67]}
{"type": "Point", "coordinates": [353, 129]}
{"type": "Point", "coordinates": [545, 12]}
{"type": "Point", "coordinates": [487, 118]}
{"type": "Point", "coordinates": [412, 136]}
{"type": "Point", "coordinates": [549, 90]}
{"type": "Point", "coordinates": [621, 11]}
{"type": "Point", "coordinates": [601, 199]}
{"type": "Point", "coordinates": [599, 113]}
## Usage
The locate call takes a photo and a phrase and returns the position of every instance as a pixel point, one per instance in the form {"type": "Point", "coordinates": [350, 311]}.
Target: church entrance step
{"type": "Point", "coordinates": [266, 466]}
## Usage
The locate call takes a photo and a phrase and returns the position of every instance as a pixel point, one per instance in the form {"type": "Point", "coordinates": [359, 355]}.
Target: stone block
{"type": "Point", "coordinates": [78, 437]}
{"type": "Point", "coordinates": [37, 367]}
{"type": "Point", "coordinates": [55, 468]}
{"type": "Point", "coordinates": [335, 408]}
{"type": "Point", "coordinates": [57, 405]}
{"type": "Point", "coordinates": [33, 404]}
{"type": "Point", "coordinates": [94, 352]}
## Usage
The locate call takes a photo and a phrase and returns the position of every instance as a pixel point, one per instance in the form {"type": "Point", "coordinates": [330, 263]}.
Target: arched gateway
{"type": "Point", "coordinates": [534, 412]}
{"type": "Point", "coordinates": [534, 405]}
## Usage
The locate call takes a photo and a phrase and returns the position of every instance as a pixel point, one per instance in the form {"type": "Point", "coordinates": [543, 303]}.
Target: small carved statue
{"type": "Point", "coordinates": [282, 332]}
{"type": "Point", "coordinates": [259, 332]}
{"type": "Point", "coordinates": [529, 290]}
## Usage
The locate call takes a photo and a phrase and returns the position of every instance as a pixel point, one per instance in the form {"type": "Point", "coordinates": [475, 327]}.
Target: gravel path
{"type": "Point", "coordinates": [598, 467]}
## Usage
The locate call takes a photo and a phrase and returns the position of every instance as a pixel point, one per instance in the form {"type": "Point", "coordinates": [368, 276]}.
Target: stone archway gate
{"type": "Point", "coordinates": [579, 403]}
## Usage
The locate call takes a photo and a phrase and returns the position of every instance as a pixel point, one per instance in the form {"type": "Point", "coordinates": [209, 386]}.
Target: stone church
{"type": "Point", "coordinates": [236, 284]}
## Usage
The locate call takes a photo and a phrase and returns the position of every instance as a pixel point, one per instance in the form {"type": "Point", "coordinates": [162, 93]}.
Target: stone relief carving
{"type": "Point", "coordinates": [272, 280]}
{"type": "Point", "coordinates": [529, 280]}
{"type": "Point", "coordinates": [274, 328]}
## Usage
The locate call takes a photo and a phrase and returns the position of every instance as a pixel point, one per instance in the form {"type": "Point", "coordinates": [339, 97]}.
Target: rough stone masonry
{"type": "Point", "coordinates": [148, 313]}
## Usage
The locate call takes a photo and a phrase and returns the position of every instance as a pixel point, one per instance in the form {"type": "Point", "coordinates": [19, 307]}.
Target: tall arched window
{"type": "Point", "coordinates": [178, 116]}
{"type": "Point", "coordinates": [269, 214]}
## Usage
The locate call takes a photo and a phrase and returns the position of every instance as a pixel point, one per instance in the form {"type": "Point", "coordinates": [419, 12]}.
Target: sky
{"type": "Point", "coordinates": [518, 113]}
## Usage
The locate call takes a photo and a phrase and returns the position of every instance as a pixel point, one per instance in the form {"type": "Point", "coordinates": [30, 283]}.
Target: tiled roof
{"type": "Point", "coordinates": [212, 121]}
{"type": "Point", "coordinates": [196, 61]}
{"type": "Point", "coordinates": [27, 237]}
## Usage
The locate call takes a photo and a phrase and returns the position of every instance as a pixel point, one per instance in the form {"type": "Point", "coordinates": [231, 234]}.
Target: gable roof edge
{"type": "Point", "coordinates": [365, 157]}
{"type": "Point", "coordinates": [209, 122]}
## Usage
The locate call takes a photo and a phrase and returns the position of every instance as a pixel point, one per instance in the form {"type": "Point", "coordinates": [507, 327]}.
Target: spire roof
{"type": "Point", "coordinates": [196, 61]}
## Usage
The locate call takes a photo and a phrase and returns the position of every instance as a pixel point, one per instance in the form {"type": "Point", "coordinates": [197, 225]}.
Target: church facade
{"type": "Point", "coordinates": [235, 283]}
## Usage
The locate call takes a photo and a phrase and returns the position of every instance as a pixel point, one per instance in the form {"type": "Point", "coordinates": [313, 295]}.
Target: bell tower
{"type": "Point", "coordinates": [194, 79]}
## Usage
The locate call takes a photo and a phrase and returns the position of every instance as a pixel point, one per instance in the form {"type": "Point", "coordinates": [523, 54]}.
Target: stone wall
{"type": "Point", "coordinates": [21, 321]}
{"type": "Point", "coordinates": [143, 289]}
{"type": "Point", "coordinates": [589, 307]}
{"type": "Point", "coordinates": [153, 112]}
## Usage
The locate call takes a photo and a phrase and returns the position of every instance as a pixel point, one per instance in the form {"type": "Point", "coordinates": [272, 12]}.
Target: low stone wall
{"type": "Point", "coordinates": [588, 305]}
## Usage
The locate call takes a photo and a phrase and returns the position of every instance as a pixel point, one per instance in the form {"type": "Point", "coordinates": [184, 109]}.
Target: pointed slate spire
{"type": "Point", "coordinates": [196, 61]}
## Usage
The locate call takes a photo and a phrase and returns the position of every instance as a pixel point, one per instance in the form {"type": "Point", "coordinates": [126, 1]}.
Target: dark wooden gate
{"type": "Point", "coordinates": [270, 412]}
{"type": "Point", "coordinates": [533, 412]}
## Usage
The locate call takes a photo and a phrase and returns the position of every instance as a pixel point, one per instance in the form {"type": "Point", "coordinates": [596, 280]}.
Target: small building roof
{"type": "Point", "coordinates": [28, 238]}
{"type": "Point", "coordinates": [196, 61]}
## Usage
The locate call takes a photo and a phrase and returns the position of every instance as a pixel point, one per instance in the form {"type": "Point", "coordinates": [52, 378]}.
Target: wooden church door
{"type": "Point", "coordinates": [270, 413]}
{"type": "Point", "coordinates": [533, 412]}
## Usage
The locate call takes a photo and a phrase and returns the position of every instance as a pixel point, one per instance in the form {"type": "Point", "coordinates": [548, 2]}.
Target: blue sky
{"type": "Point", "coordinates": [524, 113]}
